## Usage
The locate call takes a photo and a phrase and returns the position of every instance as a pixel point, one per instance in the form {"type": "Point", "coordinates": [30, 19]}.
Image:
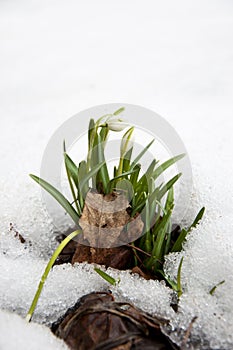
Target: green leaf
{"type": "Point", "coordinates": [134, 175]}
{"type": "Point", "coordinates": [106, 277]}
{"type": "Point", "coordinates": [120, 110]}
{"type": "Point", "coordinates": [197, 219]}
{"type": "Point", "coordinates": [168, 185]}
{"type": "Point", "coordinates": [104, 133]}
{"type": "Point", "coordinates": [91, 132]}
{"type": "Point", "coordinates": [111, 183]}
{"type": "Point", "coordinates": [47, 270]}
{"type": "Point", "coordinates": [73, 170]}
{"type": "Point", "coordinates": [170, 200]}
{"type": "Point", "coordinates": [103, 172]}
{"type": "Point", "coordinates": [212, 291]}
{"type": "Point", "coordinates": [64, 146]}
{"type": "Point", "coordinates": [58, 196]}
{"type": "Point", "coordinates": [166, 165]}
{"type": "Point", "coordinates": [179, 287]}
{"type": "Point", "coordinates": [127, 188]}
{"type": "Point", "coordinates": [140, 155]}
{"type": "Point", "coordinates": [90, 174]}
{"type": "Point", "coordinates": [127, 160]}
{"type": "Point", "coordinates": [177, 247]}
{"type": "Point", "coordinates": [143, 182]}
{"type": "Point", "coordinates": [69, 176]}
{"type": "Point", "coordinates": [157, 251]}
{"type": "Point", "coordinates": [169, 281]}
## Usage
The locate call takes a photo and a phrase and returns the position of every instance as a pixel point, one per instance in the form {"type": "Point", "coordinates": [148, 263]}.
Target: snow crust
{"type": "Point", "coordinates": [172, 57]}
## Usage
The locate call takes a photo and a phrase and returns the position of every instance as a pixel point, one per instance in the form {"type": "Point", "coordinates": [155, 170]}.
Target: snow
{"type": "Point", "coordinates": [58, 59]}
{"type": "Point", "coordinates": [16, 333]}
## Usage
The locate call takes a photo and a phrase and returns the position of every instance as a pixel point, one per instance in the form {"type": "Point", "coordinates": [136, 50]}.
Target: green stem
{"type": "Point", "coordinates": [46, 272]}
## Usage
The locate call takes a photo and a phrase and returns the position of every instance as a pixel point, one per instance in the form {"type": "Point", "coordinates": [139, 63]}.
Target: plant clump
{"type": "Point", "coordinates": [123, 220]}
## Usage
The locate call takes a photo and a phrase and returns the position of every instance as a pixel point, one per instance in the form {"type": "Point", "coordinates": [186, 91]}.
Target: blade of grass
{"type": "Point", "coordinates": [58, 196]}
{"type": "Point", "coordinates": [46, 272]}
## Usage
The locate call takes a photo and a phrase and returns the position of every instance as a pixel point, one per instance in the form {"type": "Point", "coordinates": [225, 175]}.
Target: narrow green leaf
{"type": "Point", "coordinates": [127, 160]}
{"type": "Point", "coordinates": [73, 170]}
{"type": "Point", "coordinates": [120, 110]}
{"type": "Point", "coordinates": [104, 176]}
{"type": "Point", "coordinates": [170, 200]}
{"type": "Point", "coordinates": [127, 188]}
{"type": "Point", "coordinates": [139, 207]}
{"type": "Point", "coordinates": [157, 251]}
{"type": "Point", "coordinates": [212, 291]}
{"type": "Point", "coordinates": [177, 247]}
{"type": "Point", "coordinates": [91, 132]}
{"type": "Point", "coordinates": [140, 155]}
{"type": "Point", "coordinates": [166, 165]}
{"type": "Point", "coordinates": [90, 174]}
{"type": "Point", "coordinates": [105, 276]}
{"type": "Point", "coordinates": [58, 196]}
{"type": "Point", "coordinates": [168, 239]}
{"type": "Point", "coordinates": [69, 176]}
{"type": "Point", "coordinates": [197, 219]}
{"type": "Point", "coordinates": [179, 286]}
{"type": "Point", "coordinates": [46, 272]}
{"type": "Point", "coordinates": [64, 146]}
{"type": "Point", "coordinates": [169, 281]}
{"type": "Point", "coordinates": [168, 185]}
{"type": "Point", "coordinates": [134, 176]}
{"type": "Point", "coordinates": [143, 182]}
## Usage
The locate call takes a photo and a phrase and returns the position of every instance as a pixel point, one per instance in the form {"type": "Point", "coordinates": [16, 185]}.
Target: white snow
{"type": "Point", "coordinates": [16, 333]}
{"type": "Point", "coordinates": [58, 58]}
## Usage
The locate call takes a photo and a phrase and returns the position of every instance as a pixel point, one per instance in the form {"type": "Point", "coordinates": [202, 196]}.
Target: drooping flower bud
{"type": "Point", "coordinates": [116, 124]}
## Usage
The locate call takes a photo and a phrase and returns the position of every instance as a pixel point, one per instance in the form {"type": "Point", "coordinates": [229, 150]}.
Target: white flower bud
{"type": "Point", "coordinates": [116, 124]}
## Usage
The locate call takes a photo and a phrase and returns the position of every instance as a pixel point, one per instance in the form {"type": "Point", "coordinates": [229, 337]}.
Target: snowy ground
{"type": "Point", "coordinates": [58, 58]}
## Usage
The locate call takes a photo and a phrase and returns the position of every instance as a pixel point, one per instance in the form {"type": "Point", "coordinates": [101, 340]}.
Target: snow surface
{"type": "Point", "coordinates": [58, 58]}
{"type": "Point", "coordinates": [16, 333]}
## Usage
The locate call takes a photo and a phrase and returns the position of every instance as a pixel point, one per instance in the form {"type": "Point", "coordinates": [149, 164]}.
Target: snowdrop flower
{"type": "Point", "coordinates": [116, 124]}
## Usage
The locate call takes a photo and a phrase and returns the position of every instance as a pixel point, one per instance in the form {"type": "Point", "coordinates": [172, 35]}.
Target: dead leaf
{"type": "Point", "coordinates": [105, 220]}
{"type": "Point", "coordinates": [97, 322]}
